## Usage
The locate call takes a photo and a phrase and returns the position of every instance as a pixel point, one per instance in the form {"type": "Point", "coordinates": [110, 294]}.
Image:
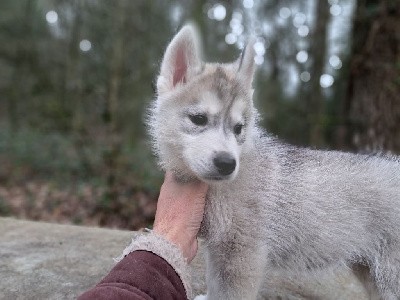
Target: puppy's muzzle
{"type": "Point", "coordinates": [225, 163]}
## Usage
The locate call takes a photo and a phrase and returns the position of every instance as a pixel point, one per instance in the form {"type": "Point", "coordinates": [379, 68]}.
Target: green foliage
{"type": "Point", "coordinates": [46, 153]}
{"type": "Point", "coordinates": [140, 161]}
{"type": "Point", "coordinates": [52, 156]}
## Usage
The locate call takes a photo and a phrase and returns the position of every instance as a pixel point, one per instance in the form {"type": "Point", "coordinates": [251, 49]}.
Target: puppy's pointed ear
{"type": "Point", "coordinates": [181, 60]}
{"type": "Point", "coordinates": [246, 66]}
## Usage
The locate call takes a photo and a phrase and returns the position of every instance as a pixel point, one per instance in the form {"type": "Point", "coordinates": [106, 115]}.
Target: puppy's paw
{"type": "Point", "coordinates": [200, 297]}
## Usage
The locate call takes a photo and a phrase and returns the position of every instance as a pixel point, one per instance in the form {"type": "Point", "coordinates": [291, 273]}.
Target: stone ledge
{"type": "Point", "coordinates": [51, 261]}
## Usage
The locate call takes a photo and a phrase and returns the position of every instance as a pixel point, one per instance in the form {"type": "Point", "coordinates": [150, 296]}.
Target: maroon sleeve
{"type": "Point", "coordinates": [140, 275]}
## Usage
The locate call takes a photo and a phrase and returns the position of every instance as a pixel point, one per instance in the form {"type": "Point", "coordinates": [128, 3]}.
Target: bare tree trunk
{"type": "Point", "coordinates": [111, 155]}
{"type": "Point", "coordinates": [13, 101]}
{"type": "Point", "coordinates": [20, 83]}
{"type": "Point", "coordinates": [374, 90]}
{"type": "Point", "coordinates": [72, 82]}
{"type": "Point", "coordinates": [318, 55]}
{"type": "Point", "coordinates": [74, 78]}
{"type": "Point", "coordinates": [71, 97]}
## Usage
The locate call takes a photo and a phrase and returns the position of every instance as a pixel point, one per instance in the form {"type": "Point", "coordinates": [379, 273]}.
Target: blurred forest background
{"type": "Point", "coordinates": [76, 76]}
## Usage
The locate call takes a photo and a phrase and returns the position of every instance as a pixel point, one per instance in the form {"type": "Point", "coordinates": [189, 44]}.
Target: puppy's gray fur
{"type": "Point", "coordinates": [286, 208]}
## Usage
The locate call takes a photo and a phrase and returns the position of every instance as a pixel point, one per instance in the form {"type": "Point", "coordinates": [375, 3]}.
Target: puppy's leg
{"type": "Point", "coordinates": [386, 271]}
{"type": "Point", "coordinates": [234, 274]}
{"type": "Point", "coordinates": [363, 274]}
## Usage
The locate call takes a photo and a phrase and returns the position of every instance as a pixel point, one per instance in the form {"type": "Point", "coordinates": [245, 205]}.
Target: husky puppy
{"type": "Point", "coordinates": [270, 206]}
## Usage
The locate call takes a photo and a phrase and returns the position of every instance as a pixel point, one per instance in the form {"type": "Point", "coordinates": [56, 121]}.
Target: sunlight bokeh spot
{"type": "Point", "coordinates": [230, 38]}
{"type": "Point", "coordinates": [335, 10]}
{"type": "Point", "coordinates": [234, 23]}
{"type": "Point", "coordinates": [299, 19]}
{"type": "Point", "coordinates": [259, 60]}
{"type": "Point", "coordinates": [303, 30]}
{"type": "Point", "coordinates": [85, 45]}
{"type": "Point", "coordinates": [335, 62]}
{"type": "Point", "coordinates": [305, 76]}
{"type": "Point", "coordinates": [248, 3]}
{"type": "Point", "coordinates": [302, 56]}
{"type": "Point", "coordinates": [326, 80]}
{"type": "Point", "coordinates": [238, 30]}
{"type": "Point", "coordinates": [285, 12]}
{"type": "Point", "coordinates": [259, 48]}
{"type": "Point", "coordinates": [51, 17]}
{"type": "Point", "coordinates": [219, 12]}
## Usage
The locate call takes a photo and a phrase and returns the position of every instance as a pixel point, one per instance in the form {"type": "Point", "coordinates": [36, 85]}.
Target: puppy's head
{"type": "Point", "coordinates": [203, 116]}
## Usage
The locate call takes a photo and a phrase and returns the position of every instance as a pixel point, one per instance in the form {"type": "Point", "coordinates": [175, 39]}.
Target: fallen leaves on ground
{"type": "Point", "coordinates": [80, 203]}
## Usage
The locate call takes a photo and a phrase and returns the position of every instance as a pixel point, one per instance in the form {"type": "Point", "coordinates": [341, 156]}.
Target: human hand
{"type": "Point", "coordinates": [180, 210]}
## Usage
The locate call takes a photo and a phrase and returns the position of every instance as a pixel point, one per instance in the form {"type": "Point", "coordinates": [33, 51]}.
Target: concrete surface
{"type": "Point", "coordinates": [50, 261]}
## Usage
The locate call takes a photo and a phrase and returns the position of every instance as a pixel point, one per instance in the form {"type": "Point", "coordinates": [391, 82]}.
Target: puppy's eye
{"type": "Point", "coordinates": [199, 119]}
{"type": "Point", "coordinates": [238, 129]}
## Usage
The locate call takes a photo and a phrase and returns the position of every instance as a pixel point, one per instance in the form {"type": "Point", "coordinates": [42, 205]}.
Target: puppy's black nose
{"type": "Point", "coordinates": [225, 163]}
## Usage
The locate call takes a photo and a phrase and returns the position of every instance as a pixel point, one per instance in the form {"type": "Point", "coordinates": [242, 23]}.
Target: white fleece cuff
{"type": "Point", "coordinates": [165, 249]}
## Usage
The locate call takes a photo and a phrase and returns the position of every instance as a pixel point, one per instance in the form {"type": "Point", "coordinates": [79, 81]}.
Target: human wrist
{"type": "Point", "coordinates": [186, 244]}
